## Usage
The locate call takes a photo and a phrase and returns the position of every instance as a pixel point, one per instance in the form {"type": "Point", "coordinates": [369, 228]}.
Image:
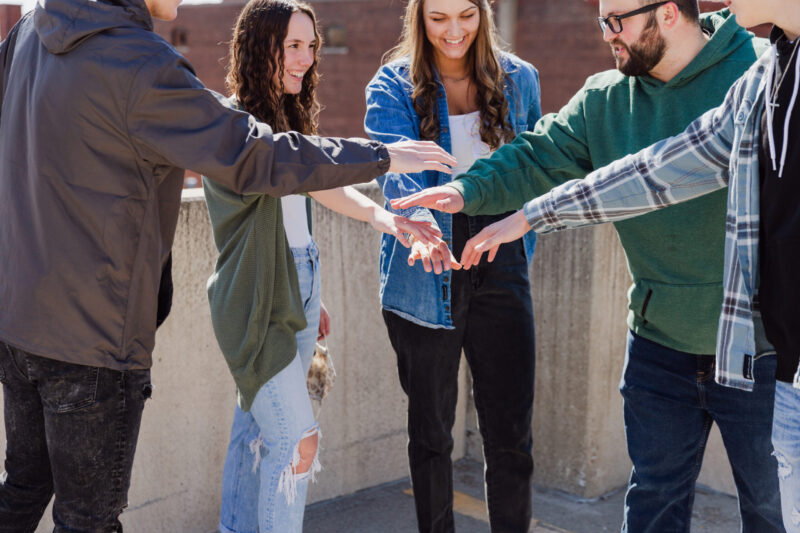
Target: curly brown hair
{"type": "Point", "coordinates": [255, 69]}
{"type": "Point", "coordinates": [484, 59]}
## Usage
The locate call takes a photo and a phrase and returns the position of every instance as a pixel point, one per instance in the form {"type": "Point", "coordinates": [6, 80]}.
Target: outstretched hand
{"type": "Point", "coordinates": [418, 156]}
{"type": "Point", "coordinates": [435, 256]}
{"type": "Point", "coordinates": [490, 238]}
{"type": "Point", "coordinates": [398, 226]}
{"type": "Point", "coordinates": [442, 198]}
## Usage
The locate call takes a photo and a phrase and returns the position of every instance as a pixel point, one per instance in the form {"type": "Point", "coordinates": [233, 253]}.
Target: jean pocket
{"type": "Point", "coordinates": [66, 388]}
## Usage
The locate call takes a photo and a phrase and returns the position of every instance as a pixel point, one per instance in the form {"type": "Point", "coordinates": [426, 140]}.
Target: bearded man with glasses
{"type": "Point", "coordinates": [672, 66]}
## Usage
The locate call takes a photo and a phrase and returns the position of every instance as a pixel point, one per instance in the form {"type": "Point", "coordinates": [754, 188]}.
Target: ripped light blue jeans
{"type": "Point", "coordinates": [786, 441]}
{"type": "Point", "coordinates": [260, 492]}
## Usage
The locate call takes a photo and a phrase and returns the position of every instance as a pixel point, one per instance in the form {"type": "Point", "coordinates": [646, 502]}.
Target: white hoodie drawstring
{"type": "Point", "coordinates": [773, 72]}
{"type": "Point", "coordinates": [789, 115]}
{"type": "Point", "coordinates": [770, 109]}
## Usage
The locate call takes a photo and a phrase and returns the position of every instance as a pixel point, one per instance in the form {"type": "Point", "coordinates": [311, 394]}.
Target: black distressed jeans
{"type": "Point", "coordinates": [493, 318]}
{"type": "Point", "coordinates": [70, 430]}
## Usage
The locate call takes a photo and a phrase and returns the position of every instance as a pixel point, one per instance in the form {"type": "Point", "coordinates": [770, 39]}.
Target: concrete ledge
{"type": "Point", "coordinates": [579, 280]}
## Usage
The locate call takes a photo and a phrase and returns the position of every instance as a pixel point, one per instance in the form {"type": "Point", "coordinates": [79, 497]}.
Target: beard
{"type": "Point", "coordinates": [645, 53]}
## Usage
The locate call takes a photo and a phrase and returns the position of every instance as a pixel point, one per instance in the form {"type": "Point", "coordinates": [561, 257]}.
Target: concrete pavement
{"type": "Point", "coordinates": [389, 508]}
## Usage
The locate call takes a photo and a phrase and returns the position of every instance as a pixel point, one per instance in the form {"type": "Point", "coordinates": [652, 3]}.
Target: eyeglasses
{"type": "Point", "coordinates": [614, 22]}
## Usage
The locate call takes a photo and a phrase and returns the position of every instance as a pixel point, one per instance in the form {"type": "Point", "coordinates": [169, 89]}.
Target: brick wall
{"type": "Point", "coordinates": [562, 38]}
{"type": "Point", "coordinates": [371, 27]}
{"type": "Point", "coordinates": [9, 15]}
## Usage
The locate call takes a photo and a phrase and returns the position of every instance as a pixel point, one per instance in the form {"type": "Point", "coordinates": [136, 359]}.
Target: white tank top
{"type": "Point", "coordinates": [295, 220]}
{"type": "Point", "coordinates": [466, 141]}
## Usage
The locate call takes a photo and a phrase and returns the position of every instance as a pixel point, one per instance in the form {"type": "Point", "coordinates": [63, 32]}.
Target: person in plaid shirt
{"type": "Point", "coordinates": [747, 145]}
{"type": "Point", "coordinates": [670, 72]}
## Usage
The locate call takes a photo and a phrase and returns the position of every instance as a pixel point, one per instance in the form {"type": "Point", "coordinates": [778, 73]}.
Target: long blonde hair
{"type": "Point", "coordinates": [483, 60]}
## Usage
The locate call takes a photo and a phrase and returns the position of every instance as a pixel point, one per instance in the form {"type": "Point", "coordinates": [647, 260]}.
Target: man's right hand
{"type": "Point", "coordinates": [418, 156]}
{"type": "Point", "coordinates": [442, 198]}
{"type": "Point", "coordinates": [435, 256]}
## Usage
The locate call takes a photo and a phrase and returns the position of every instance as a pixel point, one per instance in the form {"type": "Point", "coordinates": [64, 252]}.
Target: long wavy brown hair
{"type": "Point", "coordinates": [255, 69]}
{"type": "Point", "coordinates": [487, 74]}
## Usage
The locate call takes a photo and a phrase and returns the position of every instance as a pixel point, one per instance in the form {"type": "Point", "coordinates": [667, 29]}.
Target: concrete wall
{"type": "Point", "coordinates": [579, 280]}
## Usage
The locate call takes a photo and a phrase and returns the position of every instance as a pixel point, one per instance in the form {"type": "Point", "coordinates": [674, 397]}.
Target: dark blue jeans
{"type": "Point", "coordinates": [70, 430]}
{"type": "Point", "coordinates": [493, 317]}
{"type": "Point", "coordinates": [671, 401]}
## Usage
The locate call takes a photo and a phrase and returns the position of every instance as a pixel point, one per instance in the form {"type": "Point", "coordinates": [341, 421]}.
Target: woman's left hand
{"type": "Point", "coordinates": [324, 322]}
{"type": "Point", "coordinates": [398, 226]}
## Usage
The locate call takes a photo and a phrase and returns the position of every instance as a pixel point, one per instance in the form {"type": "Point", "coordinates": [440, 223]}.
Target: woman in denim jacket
{"type": "Point", "coordinates": [448, 81]}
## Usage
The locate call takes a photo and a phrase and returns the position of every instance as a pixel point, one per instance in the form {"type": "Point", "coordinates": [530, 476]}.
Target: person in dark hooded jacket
{"type": "Point", "coordinates": [99, 117]}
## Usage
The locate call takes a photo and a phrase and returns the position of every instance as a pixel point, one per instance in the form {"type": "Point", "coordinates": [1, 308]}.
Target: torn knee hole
{"type": "Point", "coordinates": [307, 448]}
{"type": "Point", "coordinates": [304, 464]}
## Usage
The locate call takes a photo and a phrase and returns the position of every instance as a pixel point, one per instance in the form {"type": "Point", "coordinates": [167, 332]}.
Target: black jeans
{"type": "Point", "coordinates": [493, 318]}
{"type": "Point", "coordinates": [70, 430]}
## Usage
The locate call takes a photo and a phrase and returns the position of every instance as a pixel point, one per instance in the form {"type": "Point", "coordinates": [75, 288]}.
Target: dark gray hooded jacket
{"type": "Point", "coordinates": [98, 119]}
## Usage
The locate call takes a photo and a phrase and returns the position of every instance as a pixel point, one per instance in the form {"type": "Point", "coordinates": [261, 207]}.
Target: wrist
{"type": "Point", "coordinates": [373, 212]}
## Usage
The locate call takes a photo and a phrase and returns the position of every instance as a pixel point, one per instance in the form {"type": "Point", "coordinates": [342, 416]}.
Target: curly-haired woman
{"type": "Point", "coordinates": [448, 81]}
{"type": "Point", "coordinates": [265, 291]}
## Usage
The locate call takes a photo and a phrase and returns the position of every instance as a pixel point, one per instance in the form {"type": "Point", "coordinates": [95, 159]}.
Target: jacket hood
{"type": "Point", "coordinates": [62, 25]}
{"type": "Point", "coordinates": [726, 38]}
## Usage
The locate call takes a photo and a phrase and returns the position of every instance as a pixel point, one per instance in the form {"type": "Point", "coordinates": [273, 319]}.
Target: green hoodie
{"type": "Point", "coordinates": [674, 255]}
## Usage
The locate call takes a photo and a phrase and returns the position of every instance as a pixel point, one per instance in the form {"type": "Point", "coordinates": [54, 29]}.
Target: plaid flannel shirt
{"type": "Point", "coordinates": [719, 149]}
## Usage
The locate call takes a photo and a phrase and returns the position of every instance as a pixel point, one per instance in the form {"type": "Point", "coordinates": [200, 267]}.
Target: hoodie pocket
{"type": "Point", "coordinates": [684, 316]}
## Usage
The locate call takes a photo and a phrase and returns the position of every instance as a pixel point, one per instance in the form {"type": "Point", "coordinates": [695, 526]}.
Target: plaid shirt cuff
{"type": "Point", "coordinates": [541, 216]}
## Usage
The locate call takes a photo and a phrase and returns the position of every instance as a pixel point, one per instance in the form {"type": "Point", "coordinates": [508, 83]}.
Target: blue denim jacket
{"type": "Point", "coordinates": [416, 295]}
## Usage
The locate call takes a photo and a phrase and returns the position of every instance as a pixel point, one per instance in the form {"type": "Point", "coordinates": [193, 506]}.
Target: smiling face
{"type": "Point", "coordinates": [451, 27]}
{"type": "Point", "coordinates": [639, 47]}
{"type": "Point", "coordinates": [299, 49]}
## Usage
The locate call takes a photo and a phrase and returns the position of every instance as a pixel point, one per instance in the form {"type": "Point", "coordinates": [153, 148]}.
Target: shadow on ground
{"type": "Point", "coordinates": [389, 508]}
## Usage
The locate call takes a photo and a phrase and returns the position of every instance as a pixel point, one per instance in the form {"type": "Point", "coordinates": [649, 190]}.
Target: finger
{"type": "Point", "coordinates": [426, 262]}
{"type": "Point", "coordinates": [419, 235]}
{"type": "Point", "coordinates": [438, 167]}
{"type": "Point", "coordinates": [324, 327]}
{"type": "Point", "coordinates": [444, 252]}
{"type": "Point", "coordinates": [466, 255]}
{"type": "Point", "coordinates": [434, 151]}
{"type": "Point", "coordinates": [436, 259]}
{"type": "Point", "coordinates": [424, 232]}
{"type": "Point", "coordinates": [411, 200]}
{"type": "Point", "coordinates": [492, 253]}
{"type": "Point", "coordinates": [401, 238]}
{"type": "Point", "coordinates": [413, 256]}
{"type": "Point", "coordinates": [473, 259]}
{"type": "Point", "coordinates": [426, 235]}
